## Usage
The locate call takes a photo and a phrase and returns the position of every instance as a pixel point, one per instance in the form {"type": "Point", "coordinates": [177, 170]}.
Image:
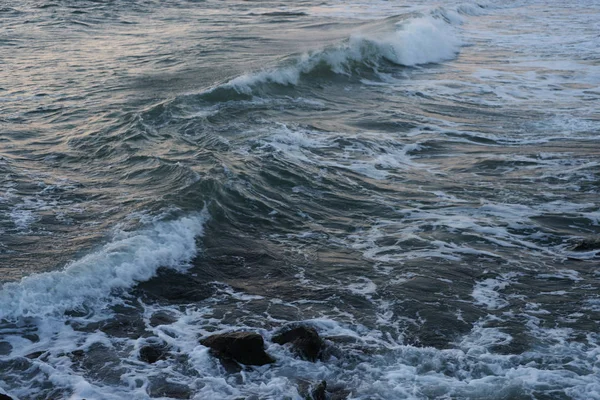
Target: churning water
{"type": "Point", "coordinates": [418, 181]}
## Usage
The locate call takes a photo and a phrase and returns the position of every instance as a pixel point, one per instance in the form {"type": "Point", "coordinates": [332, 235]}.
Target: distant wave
{"type": "Point", "coordinates": [416, 41]}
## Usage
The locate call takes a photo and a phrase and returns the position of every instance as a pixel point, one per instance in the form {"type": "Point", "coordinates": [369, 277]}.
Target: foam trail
{"type": "Point", "coordinates": [131, 258]}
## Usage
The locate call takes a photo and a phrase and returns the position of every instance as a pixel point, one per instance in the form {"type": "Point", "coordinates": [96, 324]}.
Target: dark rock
{"type": "Point", "coordinates": [78, 353]}
{"type": "Point", "coordinates": [587, 245]}
{"type": "Point", "coordinates": [323, 391]}
{"type": "Point", "coordinates": [338, 392]}
{"type": "Point", "coordinates": [35, 354]}
{"type": "Point", "coordinates": [230, 365]}
{"type": "Point", "coordinates": [32, 336]}
{"type": "Point", "coordinates": [305, 341]}
{"type": "Point", "coordinates": [243, 347]}
{"type": "Point", "coordinates": [124, 325]}
{"type": "Point", "coordinates": [320, 392]}
{"type": "Point", "coordinates": [161, 387]}
{"type": "Point", "coordinates": [102, 363]}
{"type": "Point", "coordinates": [5, 397]}
{"type": "Point", "coordinates": [152, 352]}
{"type": "Point", "coordinates": [162, 318]}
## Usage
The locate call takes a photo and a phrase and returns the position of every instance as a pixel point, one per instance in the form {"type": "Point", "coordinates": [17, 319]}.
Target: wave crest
{"type": "Point", "coordinates": [120, 264]}
{"type": "Point", "coordinates": [416, 41]}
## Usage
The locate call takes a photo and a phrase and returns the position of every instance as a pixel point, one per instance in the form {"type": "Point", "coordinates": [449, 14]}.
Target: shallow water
{"type": "Point", "coordinates": [418, 181]}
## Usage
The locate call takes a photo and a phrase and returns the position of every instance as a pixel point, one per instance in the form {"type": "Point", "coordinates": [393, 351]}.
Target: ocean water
{"type": "Point", "coordinates": [417, 180]}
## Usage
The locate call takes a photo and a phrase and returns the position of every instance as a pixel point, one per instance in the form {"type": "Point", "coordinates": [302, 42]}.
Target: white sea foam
{"type": "Point", "coordinates": [22, 218]}
{"type": "Point", "coordinates": [488, 292]}
{"type": "Point", "coordinates": [369, 154]}
{"type": "Point", "coordinates": [131, 257]}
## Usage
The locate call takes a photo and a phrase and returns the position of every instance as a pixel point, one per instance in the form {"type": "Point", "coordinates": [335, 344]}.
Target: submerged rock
{"type": "Point", "coordinates": [320, 392]}
{"type": "Point", "coordinates": [153, 351]}
{"type": "Point", "coordinates": [323, 391]}
{"type": "Point", "coordinates": [244, 347]}
{"type": "Point", "coordinates": [587, 245]}
{"type": "Point", "coordinates": [305, 341]}
{"type": "Point", "coordinates": [161, 387]}
{"type": "Point", "coordinates": [35, 354]}
{"type": "Point", "coordinates": [162, 318]}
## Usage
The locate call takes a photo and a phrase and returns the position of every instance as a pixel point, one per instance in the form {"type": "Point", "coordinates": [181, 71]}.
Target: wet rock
{"type": "Point", "coordinates": [102, 363]}
{"type": "Point", "coordinates": [32, 336]}
{"type": "Point", "coordinates": [305, 341]}
{"type": "Point", "coordinates": [5, 397]}
{"type": "Point", "coordinates": [174, 287]}
{"type": "Point", "coordinates": [160, 387]}
{"type": "Point", "coordinates": [76, 355]}
{"type": "Point", "coordinates": [35, 354]}
{"type": "Point", "coordinates": [153, 351]}
{"type": "Point", "coordinates": [124, 325]}
{"type": "Point", "coordinates": [587, 245]}
{"type": "Point", "coordinates": [320, 392]}
{"type": "Point", "coordinates": [323, 391]}
{"type": "Point", "coordinates": [151, 354]}
{"type": "Point", "coordinates": [338, 392]}
{"type": "Point", "coordinates": [243, 347]}
{"type": "Point", "coordinates": [230, 365]}
{"type": "Point", "coordinates": [162, 318]}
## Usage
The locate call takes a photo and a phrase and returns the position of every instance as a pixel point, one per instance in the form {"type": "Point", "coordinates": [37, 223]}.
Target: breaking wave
{"type": "Point", "coordinates": [130, 258]}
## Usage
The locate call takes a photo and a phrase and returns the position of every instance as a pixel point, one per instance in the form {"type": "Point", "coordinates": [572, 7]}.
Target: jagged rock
{"type": "Point", "coordinates": [243, 347]}
{"type": "Point", "coordinates": [320, 392]}
{"type": "Point", "coordinates": [153, 352]}
{"type": "Point", "coordinates": [305, 341]}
